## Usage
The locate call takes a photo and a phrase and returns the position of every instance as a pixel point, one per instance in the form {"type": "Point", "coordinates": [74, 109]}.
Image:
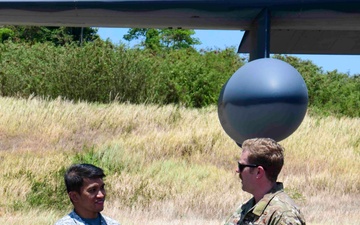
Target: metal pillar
{"type": "Point", "coordinates": [260, 36]}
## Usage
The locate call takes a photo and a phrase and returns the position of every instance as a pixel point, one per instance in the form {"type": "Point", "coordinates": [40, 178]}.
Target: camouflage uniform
{"type": "Point", "coordinates": [74, 219]}
{"type": "Point", "coordinates": [275, 208]}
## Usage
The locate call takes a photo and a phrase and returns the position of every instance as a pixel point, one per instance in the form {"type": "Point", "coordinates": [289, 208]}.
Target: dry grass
{"type": "Point", "coordinates": [177, 165]}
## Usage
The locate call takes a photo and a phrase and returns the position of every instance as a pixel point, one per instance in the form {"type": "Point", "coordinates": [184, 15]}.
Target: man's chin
{"type": "Point", "coordinates": [99, 206]}
{"type": "Point", "coordinates": [242, 187]}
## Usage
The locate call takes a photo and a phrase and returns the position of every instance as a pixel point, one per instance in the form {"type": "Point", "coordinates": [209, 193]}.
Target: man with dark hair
{"type": "Point", "coordinates": [259, 166]}
{"type": "Point", "coordinates": [86, 190]}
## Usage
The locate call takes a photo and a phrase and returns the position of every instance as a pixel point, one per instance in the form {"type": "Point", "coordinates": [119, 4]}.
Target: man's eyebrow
{"type": "Point", "coordinates": [94, 185]}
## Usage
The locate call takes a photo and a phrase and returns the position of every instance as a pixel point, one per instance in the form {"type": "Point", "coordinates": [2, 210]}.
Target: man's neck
{"type": "Point", "coordinates": [263, 191]}
{"type": "Point", "coordinates": [86, 215]}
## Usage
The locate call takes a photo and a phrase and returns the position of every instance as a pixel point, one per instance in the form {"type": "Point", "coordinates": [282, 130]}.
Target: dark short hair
{"type": "Point", "coordinates": [74, 176]}
{"type": "Point", "coordinates": [267, 153]}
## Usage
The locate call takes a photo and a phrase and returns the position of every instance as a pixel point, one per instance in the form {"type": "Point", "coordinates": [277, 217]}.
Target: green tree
{"type": "Point", "coordinates": [40, 34]}
{"type": "Point", "coordinates": [5, 34]}
{"type": "Point", "coordinates": [330, 93]}
{"type": "Point", "coordinates": [156, 39]}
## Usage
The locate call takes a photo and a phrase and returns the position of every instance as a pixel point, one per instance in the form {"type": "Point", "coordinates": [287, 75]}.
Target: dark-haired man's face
{"type": "Point", "coordinates": [90, 201]}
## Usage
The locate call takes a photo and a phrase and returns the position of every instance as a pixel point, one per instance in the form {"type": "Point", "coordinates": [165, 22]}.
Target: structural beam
{"type": "Point", "coordinates": [259, 36]}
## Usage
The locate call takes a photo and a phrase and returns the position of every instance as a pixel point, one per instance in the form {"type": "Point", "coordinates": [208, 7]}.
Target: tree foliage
{"type": "Point", "coordinates": [330, 92]}
{"type": "Point", "coordinates": [6, 34]}
{"type": "Point", "coordinates": [158, 39]}
{"type": "Point", "coordinates": [56, 35]}
{"type": "Point", "coordinates": [102, 72]}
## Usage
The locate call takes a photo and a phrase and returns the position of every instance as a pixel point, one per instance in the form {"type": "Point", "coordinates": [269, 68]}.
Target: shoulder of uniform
{"type": "Point", "coordinates": [289, 217]}
{"type": "Point", "coordinates": [284, 209]}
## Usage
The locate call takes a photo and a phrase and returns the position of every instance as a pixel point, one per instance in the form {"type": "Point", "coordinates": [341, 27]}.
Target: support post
{"type": "Point", "coordinates": [260, 36]}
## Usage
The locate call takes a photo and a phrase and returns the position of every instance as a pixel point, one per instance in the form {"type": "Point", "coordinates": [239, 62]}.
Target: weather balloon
{"type": "Point", "coordinates": [264, 98]}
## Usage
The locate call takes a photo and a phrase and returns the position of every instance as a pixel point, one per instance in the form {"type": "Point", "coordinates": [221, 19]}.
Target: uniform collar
{"type": "Point", "coordinates": [261, 205]}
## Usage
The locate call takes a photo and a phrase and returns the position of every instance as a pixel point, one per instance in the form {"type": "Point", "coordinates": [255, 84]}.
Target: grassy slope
{"type": "Point", "coordinates": [165, 165]}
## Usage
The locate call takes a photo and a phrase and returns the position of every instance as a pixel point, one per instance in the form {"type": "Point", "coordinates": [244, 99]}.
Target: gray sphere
{"type": "Point", "coordinates": [264, 98]}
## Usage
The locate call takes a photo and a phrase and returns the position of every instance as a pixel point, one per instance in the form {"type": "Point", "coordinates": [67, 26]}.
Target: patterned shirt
{"type": "Point", "coordinates": [74, 219]}
{"type": "Point", "coordinates": [275, 208]}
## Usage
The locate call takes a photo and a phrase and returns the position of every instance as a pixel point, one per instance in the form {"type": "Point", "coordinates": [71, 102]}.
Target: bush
{"type": "Point", "coordinates": [330, 93]}
{"type": "Point", "coordinates": [102, 72]}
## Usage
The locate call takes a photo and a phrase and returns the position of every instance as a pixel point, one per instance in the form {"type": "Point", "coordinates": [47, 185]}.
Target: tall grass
{"type": "Point", "coordinates": [164, 164]}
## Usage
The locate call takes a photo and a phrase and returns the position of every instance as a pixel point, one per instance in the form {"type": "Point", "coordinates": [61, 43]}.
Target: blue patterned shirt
{"type": "Point", "coordinates": [74, 219]}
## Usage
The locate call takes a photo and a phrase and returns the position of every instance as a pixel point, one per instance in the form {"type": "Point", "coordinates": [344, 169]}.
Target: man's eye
{"type": "Point", "coordinates": [92, 190]}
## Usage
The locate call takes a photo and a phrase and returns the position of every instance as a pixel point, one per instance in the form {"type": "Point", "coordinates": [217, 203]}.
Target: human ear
{"type": "Point", "coordinates": [74, 196]}
{"type": "Point", "coordinates": [260, 172]}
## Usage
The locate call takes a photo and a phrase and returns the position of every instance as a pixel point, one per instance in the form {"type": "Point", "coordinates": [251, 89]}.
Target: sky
{"type": "Point", "coordinates": [221, 39]}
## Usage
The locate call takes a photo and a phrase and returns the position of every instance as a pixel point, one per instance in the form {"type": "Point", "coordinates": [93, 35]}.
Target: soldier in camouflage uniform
{"type": "Point", "coordinates": [86, 190]}
{"type": "Point", "coordinates": [259, 165]}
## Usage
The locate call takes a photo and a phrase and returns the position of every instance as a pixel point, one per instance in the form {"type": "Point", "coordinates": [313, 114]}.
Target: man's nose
{"type": "Point", "coordinates": [101, 194]}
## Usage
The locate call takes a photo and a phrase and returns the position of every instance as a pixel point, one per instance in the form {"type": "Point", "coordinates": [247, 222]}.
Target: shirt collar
{"type": "Point", "coordinates": [261, 205]}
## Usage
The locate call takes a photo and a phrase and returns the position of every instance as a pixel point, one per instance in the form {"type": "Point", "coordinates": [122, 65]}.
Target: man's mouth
{"type": "Point", "coordinates": [100, 201]}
